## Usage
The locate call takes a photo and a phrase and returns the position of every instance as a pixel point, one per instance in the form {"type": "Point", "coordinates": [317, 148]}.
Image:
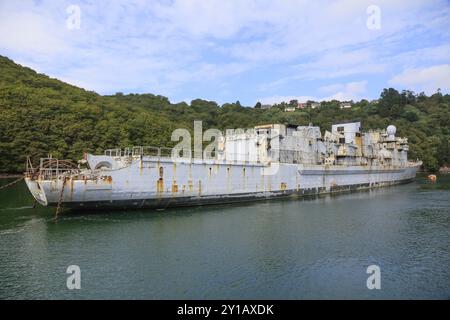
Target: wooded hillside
{"type": "Point", "coordinates": [40, 115]}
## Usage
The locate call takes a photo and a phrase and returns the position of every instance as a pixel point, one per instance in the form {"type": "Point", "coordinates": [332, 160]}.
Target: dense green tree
{"type": "Point", "coordinates": [389, 99]}
{"type": "Point", "coordinates": [42, 116]}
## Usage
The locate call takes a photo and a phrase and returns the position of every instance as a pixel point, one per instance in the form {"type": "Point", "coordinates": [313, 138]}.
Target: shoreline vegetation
{"type": "Point", "coordinates": [42, 116]}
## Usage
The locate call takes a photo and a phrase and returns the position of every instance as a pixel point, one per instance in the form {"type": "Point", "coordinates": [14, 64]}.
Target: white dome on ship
{"type": "Point", "coordinates": [391, 130]}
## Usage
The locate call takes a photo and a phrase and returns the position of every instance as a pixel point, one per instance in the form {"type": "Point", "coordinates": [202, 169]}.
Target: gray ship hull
{"type": "Point", "coordinates": [148, 182]}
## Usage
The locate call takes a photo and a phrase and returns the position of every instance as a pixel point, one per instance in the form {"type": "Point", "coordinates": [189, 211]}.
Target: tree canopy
{"type": "Point", "coordinates": [41, 116]}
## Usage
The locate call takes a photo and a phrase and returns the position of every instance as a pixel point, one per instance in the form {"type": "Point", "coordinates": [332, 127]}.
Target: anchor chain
{"type": "Point", "coordinates": [58, 207]}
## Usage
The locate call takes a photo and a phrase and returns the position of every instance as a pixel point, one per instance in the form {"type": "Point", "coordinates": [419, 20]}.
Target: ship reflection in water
{"type": "Point", "coordinates": [313, 248]}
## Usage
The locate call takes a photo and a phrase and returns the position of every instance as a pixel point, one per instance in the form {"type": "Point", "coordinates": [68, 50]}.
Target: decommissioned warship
{"type": "Point", "coordinates": [269, 161]}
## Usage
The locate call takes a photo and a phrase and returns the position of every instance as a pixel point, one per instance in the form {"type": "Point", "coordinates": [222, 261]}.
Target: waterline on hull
{"type": "Point", "coordinates": [169, 202]}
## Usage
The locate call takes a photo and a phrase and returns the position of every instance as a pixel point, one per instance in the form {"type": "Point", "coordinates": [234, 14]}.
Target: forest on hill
{"type": "Point", "coordinates": [41, 116]}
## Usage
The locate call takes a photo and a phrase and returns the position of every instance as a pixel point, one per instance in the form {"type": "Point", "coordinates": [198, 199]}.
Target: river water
{"type": "Point", "coordinates": [282, 249]}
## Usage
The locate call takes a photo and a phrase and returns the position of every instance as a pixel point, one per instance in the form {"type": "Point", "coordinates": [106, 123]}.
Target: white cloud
{"type": "Point", "coordinates": [336, 91]}
{"type": "Point", "coordinates": [412, 58]}
{"type": "Point", "coordinates": [199, 18]}
{"type": "Point", "coordinates": [331, 88]}
{"type": "Point", "coordinates": [424, 79]}
{"type": "Point", "coordinates": [331, 65]}
{"type": "Point", "coordinates": [29, 31]}
{"type": "Point", "coordinates": [348, 91]}
{"type": "Point", "coordinates": [335, 64]}
{"type": "Point", "coordinates": [182, 48]}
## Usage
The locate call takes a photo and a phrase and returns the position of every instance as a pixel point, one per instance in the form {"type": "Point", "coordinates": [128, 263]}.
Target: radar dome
{"type": "Point", "coordinates": [391, 130]}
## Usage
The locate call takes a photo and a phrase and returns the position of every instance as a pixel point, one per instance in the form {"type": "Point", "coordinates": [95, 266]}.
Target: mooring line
{"type": "Point", "coordinates": [11, 183]}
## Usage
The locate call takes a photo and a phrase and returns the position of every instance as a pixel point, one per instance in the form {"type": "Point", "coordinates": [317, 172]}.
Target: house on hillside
{"type": "Point", "coordinates": [301, 105]}
{"type": "Point", "coordinates": [345, 105]}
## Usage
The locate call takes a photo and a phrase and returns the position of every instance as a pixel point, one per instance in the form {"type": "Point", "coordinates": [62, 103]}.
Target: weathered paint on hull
{"type": "Point", "coordinates": [148, 183]}
{"type": "Point", "coordinates": [200, 201]}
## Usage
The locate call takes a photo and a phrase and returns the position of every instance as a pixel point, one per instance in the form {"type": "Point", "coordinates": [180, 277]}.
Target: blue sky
{"type": "Point", "coordinates": [244, 50]}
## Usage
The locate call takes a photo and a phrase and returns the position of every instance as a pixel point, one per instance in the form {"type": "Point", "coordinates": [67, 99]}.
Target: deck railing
{"type": "Point", "coordinates": [51, 168]}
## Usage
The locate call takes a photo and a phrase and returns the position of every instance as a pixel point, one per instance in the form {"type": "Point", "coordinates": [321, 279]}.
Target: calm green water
{"type": "Point", "coordinates": [316, 248]}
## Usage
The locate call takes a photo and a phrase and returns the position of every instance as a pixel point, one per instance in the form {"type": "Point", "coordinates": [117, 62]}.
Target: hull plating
{"type": "Point", "coordinates": [148, 183]}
